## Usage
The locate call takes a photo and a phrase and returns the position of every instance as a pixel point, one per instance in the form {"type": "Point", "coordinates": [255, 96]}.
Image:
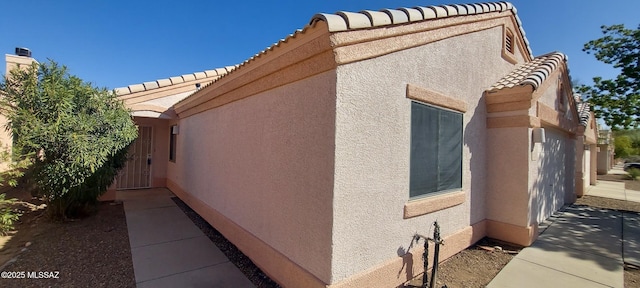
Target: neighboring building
{"type": "Point", "coordinates": [22, 58]}
{"type": "Point", "coordinates": [606, 152]}
{"type": "Point", "coordinates": [322, 156]}
{"type": "Point", "coordinates": [587, 149]}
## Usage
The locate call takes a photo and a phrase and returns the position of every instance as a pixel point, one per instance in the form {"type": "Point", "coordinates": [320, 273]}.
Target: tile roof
{"type": "Point", "coordinates": [584, 110]}
{"type": "Point", "coordinates": [346, 21]}
{"type": "Point", "coordinates": [197, 76]}
{"type": "Point", "coordinates": [531, 73]}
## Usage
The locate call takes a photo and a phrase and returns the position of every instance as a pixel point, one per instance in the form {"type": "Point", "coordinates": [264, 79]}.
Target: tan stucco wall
{"type": "Point", "coordinates": [266, 163]}
{"type": "Point", "coordinates": [509, 155]}
{"type": "Point", "coordinates": [373, 143]}
{"type": "Point", "coordinates": [587, 169]}
{"type": "Point", "coordinates": [6, 139]}
{"type": "Point", "coordinates": [594, 164]}
{"type": "Point", "coordinates": [604, 159]}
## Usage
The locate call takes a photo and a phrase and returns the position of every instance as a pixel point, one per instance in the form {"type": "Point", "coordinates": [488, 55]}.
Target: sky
{"type": "Point", "coordinates": [116, 43]}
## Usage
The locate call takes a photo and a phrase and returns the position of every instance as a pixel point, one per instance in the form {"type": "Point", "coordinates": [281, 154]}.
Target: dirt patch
{"type": "Point", "coordinates": [26, 228]}
{"type": "Point", "coordinates": [90, 252]}
{"type": "Point", "coordinates": [628, 183]}
{"type": "Point", "coordinates": [473, 267]}
{"type": "Point", "coordinates": [608, 203]}
{"type": "Point", "coordinates": [476, 266]}
{"type": "Point", "coordinates": [95, 252]}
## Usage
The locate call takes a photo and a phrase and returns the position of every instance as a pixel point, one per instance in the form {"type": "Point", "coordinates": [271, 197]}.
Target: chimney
{"type": "Point", "coordinates": [22, 57]}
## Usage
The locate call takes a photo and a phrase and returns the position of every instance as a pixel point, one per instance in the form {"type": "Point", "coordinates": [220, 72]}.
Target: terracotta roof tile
{"type": "Point", "coordinates": [176, 79]}
{"type": "Point", "coordinates": [150, 85]}
{"type": "Point", "coordinates": [122, 90]}
{"type": "Point", "coordinates": [200, 75]}
{"type": "Point", "coordinates": [136, 88]}
{"type": "Point", "coordinates": [584, 110]}
{"type": "Point", "coordinates": [164, 82]}
{"type": "Point", "coordinates": [355, 20]}
{"type": "Point", "coordinates": [344, 21]}
{"type": "Point", "coordinates": [197, 76]}
{"type": "Point", "coordinates": [532, 73]}
{"type": "Point", "coordinates": [397, 16]}
{"type": "Point", "coordinates": [412, 14]}
{"type": "Point", "coordinates": [377, 18]}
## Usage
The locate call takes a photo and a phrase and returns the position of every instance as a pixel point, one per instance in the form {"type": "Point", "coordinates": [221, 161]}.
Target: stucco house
{"type": "Point", "coordinates": [321, 156]}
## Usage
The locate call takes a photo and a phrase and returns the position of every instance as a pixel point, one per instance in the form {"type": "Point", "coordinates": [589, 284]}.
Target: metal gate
{"type": "Point", "coordinates": [137, 172]}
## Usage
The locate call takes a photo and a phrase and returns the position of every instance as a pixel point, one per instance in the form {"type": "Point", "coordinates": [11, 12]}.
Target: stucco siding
{"type": "Point", "coordinates": [509, 156]}
{"type": "Point", "coordinates": [373, 145]}
{"type": "Point", "coordinates": [586, 170]}
{"type": "Point", "coordinates": [550, 95]}
{"type": "Point", "coordinates": [266, 163]}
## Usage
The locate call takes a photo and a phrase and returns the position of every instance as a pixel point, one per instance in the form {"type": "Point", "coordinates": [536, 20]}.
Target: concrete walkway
{"type": "Point", "coordinates": [614, 190]}
{"type": "Point", "coordinates": [168, 250]}
{"type": "Point", "coordinates": [582, 247]}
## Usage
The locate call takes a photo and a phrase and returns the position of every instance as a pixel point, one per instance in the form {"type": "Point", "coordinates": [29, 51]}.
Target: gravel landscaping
{"type": "Point", "coordinates": [255, 275]}
{"type": "Point", "coordinates": [89, 252]}
{"type": "Point", "coordinates": [95, 251]}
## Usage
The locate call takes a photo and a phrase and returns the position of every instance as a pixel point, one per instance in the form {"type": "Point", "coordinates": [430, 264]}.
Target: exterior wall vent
{"type": "Point", "coordinates": [508, 42]}
{"type": "Point", "coordinates": [25, 52]}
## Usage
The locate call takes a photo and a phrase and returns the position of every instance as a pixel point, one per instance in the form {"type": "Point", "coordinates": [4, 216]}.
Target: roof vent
{"type": "Point", "coordinates": [20, 51]}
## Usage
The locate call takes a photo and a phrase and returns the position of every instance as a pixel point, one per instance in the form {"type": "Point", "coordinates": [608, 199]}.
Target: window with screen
{"type": "Point", "coordinates": [436, 150]}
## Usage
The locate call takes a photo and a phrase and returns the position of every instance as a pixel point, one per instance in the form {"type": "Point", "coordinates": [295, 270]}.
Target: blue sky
{"type": "Point", "coordinates": [116, 43]}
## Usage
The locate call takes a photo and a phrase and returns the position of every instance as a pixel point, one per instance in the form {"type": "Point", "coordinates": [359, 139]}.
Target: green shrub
{"type": "Point", "coordinates": [7, 214]}
{"type": "Point", "coordinates": [633, 173]}
{"type": "Point", "coordinates": [74, 134]}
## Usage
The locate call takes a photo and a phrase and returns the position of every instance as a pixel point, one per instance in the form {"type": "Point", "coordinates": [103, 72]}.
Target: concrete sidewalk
{"type": "Point", "coordinates": [582, 247]}
{"type": "Point", "coordinates": [168, 250]}
{"type": "Point", "coordinates": [614, 190]}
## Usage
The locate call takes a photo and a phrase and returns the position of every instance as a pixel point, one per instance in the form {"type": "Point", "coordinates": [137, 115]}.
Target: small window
{"type": "Point", "coordinates": [436, 150]}
{"type": "Point", "coordinates": [173, 135]}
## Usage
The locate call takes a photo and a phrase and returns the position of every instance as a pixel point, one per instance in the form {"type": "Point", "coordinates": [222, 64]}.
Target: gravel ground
{"type": "Point", "coordinates": [255, 275]}
{"type": "Point", "coordinates": [89, 252]}
{"type": "Point", "coordinates": [628, 183]}
{"type": "Point", "coordinates": [473, 267]}
{"type": "Point", "coordinates": [95, 252]}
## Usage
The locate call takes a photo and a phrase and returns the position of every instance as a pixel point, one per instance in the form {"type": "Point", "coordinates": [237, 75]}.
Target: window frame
{"type": "Point", "coordinates": [460, 148]}
{"type": "Point", "coordinates": [433, 203]}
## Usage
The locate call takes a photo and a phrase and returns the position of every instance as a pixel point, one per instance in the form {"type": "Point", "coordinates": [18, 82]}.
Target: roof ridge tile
{"type": "Point", "coordinates": [345, 21]}
{"type": "Point", "coordinates": [164, 82]}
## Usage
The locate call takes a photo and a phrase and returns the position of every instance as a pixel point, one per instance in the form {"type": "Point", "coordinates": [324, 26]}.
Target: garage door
{"type": "Point", "coordinates": [555, 173]}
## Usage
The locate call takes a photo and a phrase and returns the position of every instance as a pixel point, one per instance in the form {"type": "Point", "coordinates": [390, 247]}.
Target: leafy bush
{"type": "Point", "coordinates": [75, 135]}
{"type": "Point", "coordinates": [633, 173]}
{"type": "Point", "coordinates": [7, 214]}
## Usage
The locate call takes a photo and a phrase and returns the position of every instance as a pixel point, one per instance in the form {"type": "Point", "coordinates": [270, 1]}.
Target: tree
{"type": "Point", "coordinates": [623, 146]}
{"type": "Point", "coordinates": [75, 135]}
{"type": "Point", "coordinates": [616, 101]}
